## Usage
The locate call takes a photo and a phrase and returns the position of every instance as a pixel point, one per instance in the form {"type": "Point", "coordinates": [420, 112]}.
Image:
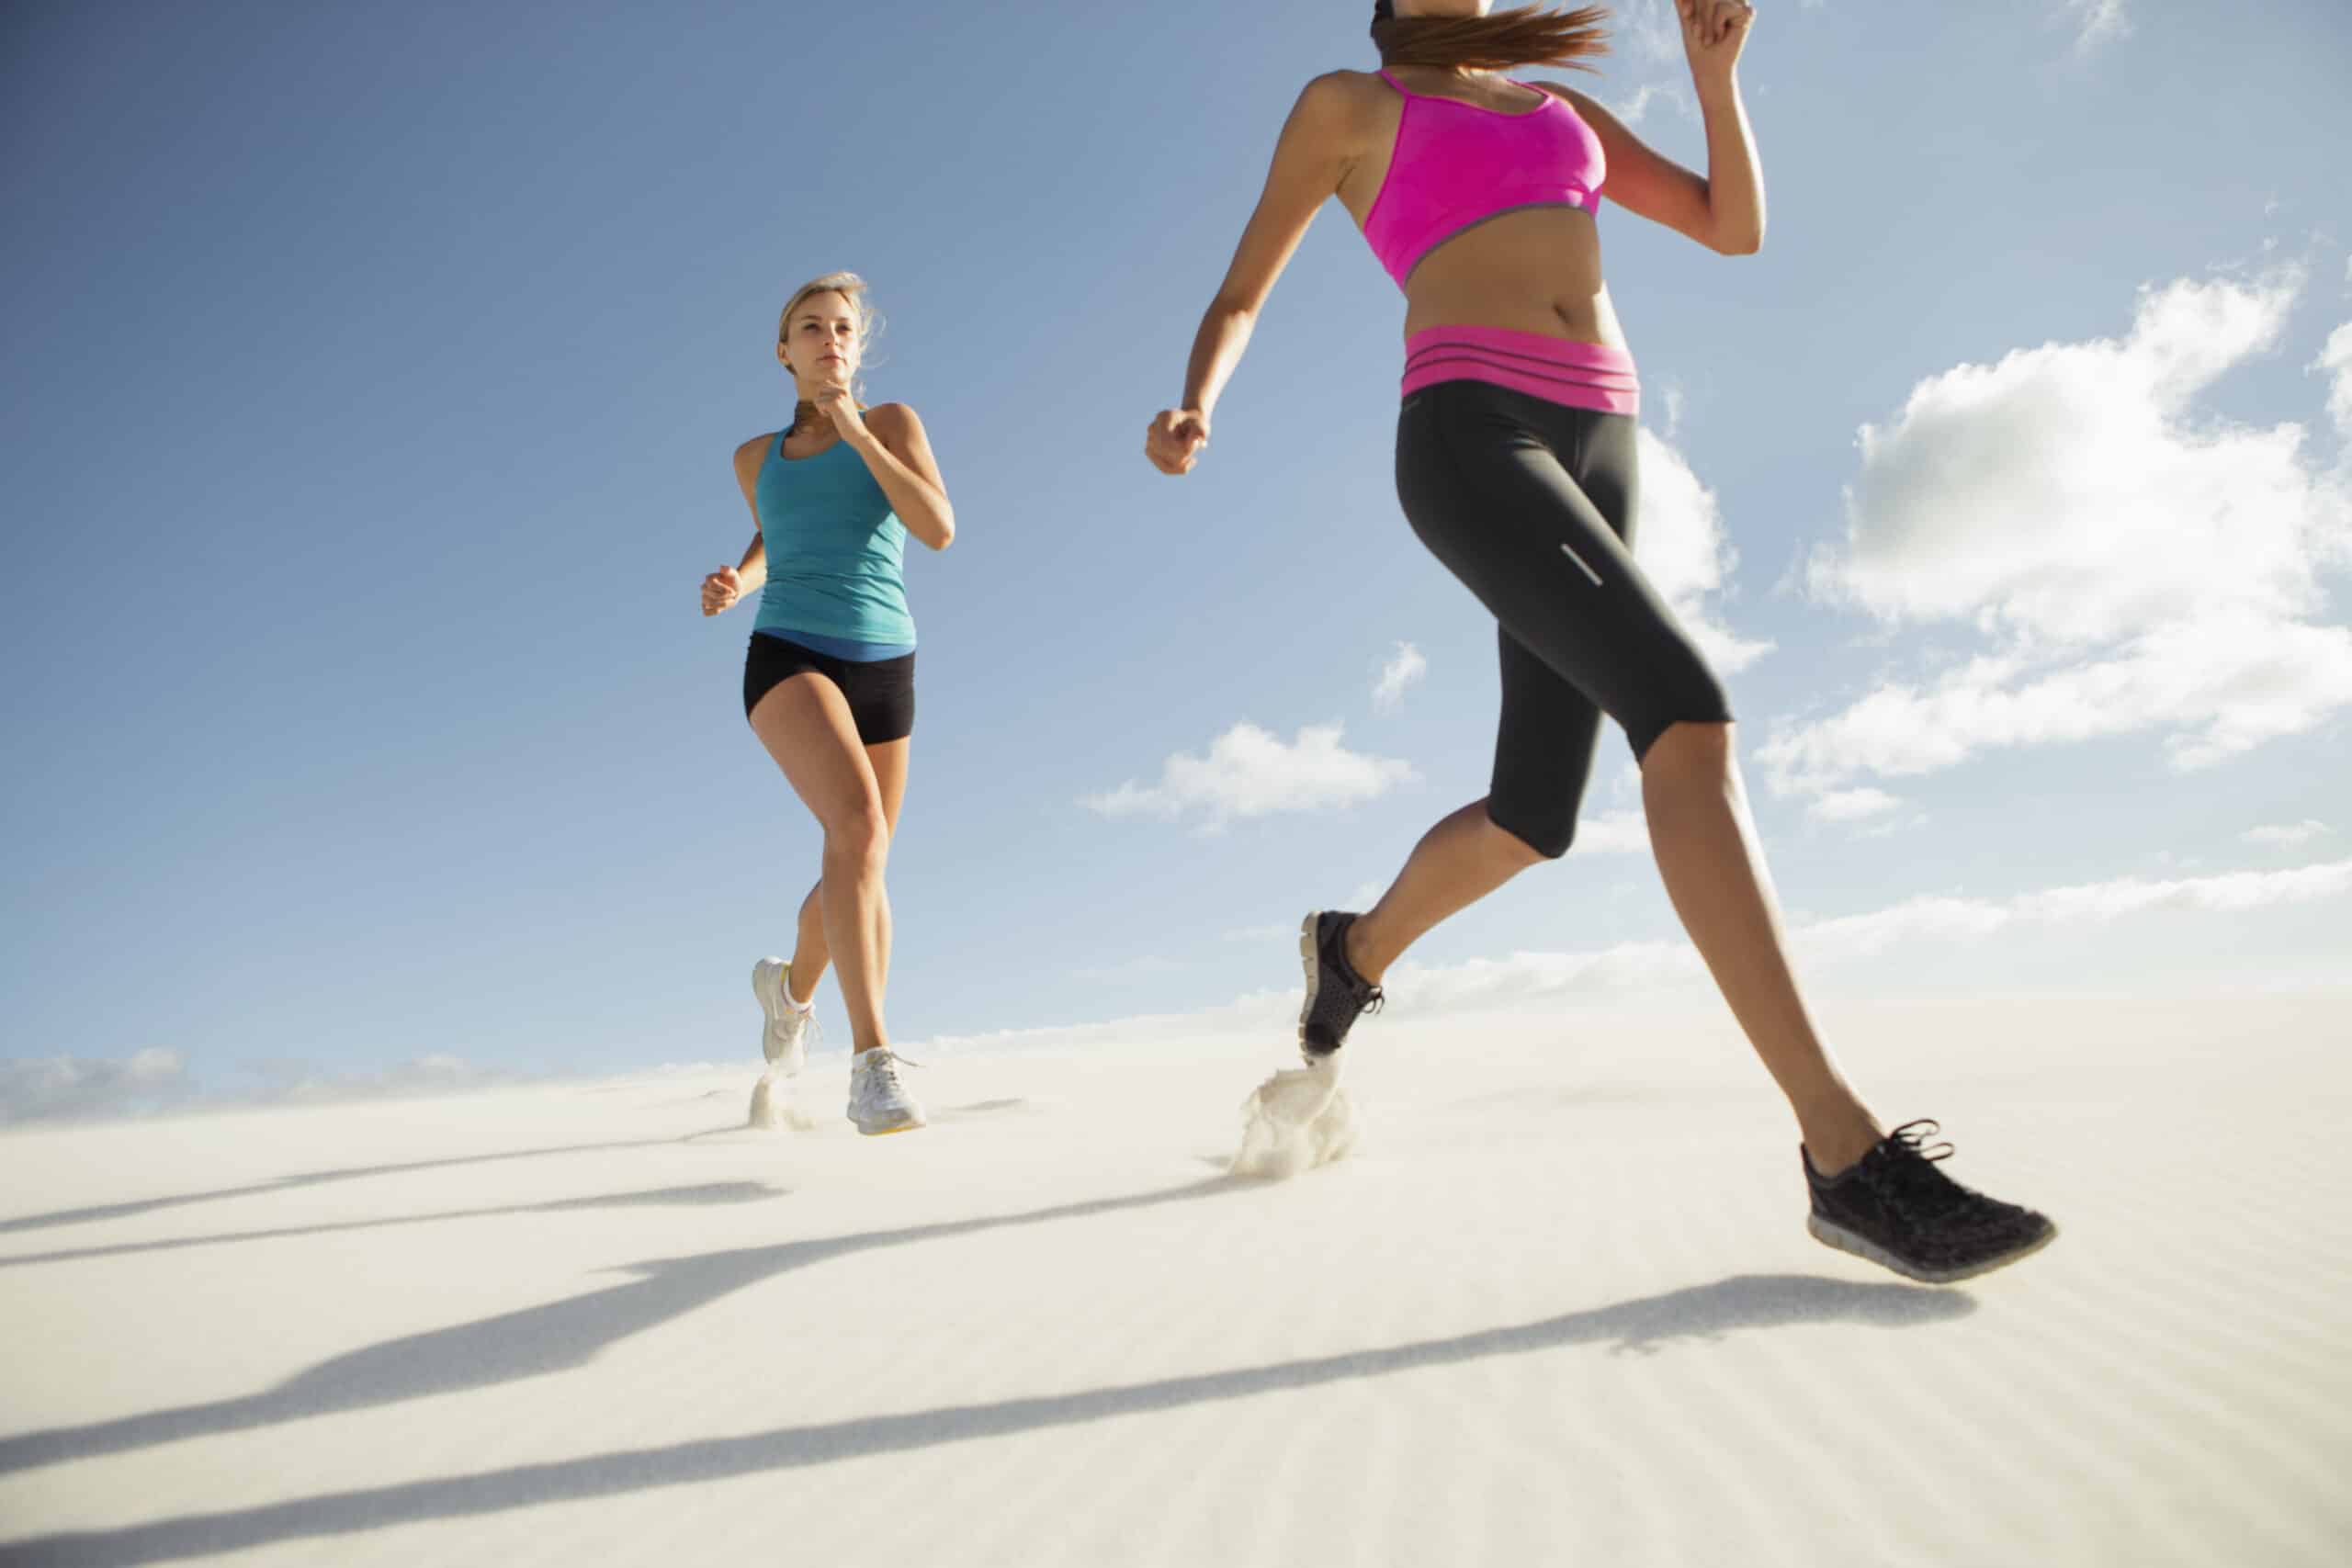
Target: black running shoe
{"type": "Point", "coordinates": [1895, 1208]}
{"type": "Point", "coordinates": [1336, 994]}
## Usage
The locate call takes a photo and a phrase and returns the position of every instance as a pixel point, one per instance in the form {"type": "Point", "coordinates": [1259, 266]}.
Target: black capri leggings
{"type": "Point", "coordinates": [1530, 503]}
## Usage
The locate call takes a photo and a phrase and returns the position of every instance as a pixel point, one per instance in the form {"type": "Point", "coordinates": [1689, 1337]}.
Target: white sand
{"type": "Point", "coordinates": [1558, 1307]}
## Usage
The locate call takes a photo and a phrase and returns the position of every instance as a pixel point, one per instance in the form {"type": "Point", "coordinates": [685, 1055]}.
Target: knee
{"type": "Point", "coordinates": [861, 835]}
{"type": "Point", "coordinates": [1529, 841]}
{"type": "Point", "coordinates": [1689, 749]}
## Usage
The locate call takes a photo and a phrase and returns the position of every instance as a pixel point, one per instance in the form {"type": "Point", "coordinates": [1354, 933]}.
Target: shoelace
{"type": "Point", "coordinates": [1373, 1002]}
{"type": "Point", "coordinates": [1913, 1137]}
{"type": "Point", "coordinates": [1904, 1178]}
{"type": "Point", "coordinates": [885, 1065]}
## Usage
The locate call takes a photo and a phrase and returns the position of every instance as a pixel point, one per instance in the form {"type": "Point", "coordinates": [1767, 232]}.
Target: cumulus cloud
{"type": "Point", "coordinates": [1938, 919]}
{"type": "Point", "coordinates": [2131, 566]}
{"type": "Point", "coordinates": [1852, 805]}
{"type": "Point", "coordinates": [1613, 833]}
{"type": "Point", "coordinates": [70, 1087]}
{"type": "Point", "coordinates": [2335, 358]}
{"type": "Point", "coordinates": [1251, 771]}
{"type": "Point", "coordinates": [2288, 836]}
{"type": "Point", "coordinates": [1686, 553]}
{"type": "Point", "coordinates": [1404, 667]}
{"type": "Point", "coordinates": [1415, 988]}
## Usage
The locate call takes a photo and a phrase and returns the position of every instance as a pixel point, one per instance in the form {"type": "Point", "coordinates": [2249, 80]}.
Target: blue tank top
{"type": "Point", "coordinates": [835, 550]}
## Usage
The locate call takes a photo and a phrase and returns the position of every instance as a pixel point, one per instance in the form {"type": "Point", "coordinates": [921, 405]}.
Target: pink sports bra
{"type": "Point", "coordinates": [1457, 164]}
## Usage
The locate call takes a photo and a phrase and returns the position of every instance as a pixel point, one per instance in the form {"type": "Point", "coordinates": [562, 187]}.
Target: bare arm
{"type": "Point", "coordinates": [722, 588]}
{"type": "Point", "coordinates": [1724, 210]}
{"type": "Point", "coordinates": [897, 453]}
{"type": "Point", "coordinates": [1310, 160]}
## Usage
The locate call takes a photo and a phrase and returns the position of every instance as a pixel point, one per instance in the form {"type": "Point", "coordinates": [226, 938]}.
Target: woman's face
{"type": "Point", "coordinates": [820, 345]}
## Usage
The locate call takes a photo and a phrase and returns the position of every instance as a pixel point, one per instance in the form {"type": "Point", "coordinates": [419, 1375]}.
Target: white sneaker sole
{"type": "Point", "coordinates": [789, 1054]}
{"type": "Point", "coordinates": [880, 1130]}
{"type": "Point", "coordinates": [1838, 1236]}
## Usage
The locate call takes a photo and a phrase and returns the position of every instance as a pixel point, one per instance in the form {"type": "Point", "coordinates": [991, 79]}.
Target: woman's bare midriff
{"type": "Point", "coordinates": [1533, 271]}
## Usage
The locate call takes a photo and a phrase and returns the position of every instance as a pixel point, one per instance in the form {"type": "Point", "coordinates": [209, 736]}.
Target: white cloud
{"type": "Point", "coordinates": [1853, 805]}
{"type": "Point", "coordinates": [1414, 988]}
{"type": "Point", "coordinates": [2335, 358]}
{"type": "Point", "coordinates": [1404, 667]}
{"type": "Point", "coordinates": [1915, 919]}
{"type": "Point", "coordinates": [2231, 893]}
{"type": "Point", "coordinates": [2131, 566]}
{"type": "Point", "coordinates": [2288, 836]}
{"type": "Point", "coordinates": [1649, 95]}
{"type": "Point", "coordinates": [1685, 551]}
{"type": "Point", "coordinates": [2098, 21]}
{"type": "Point", "coordinates": [1613, 833]}
{"type": "Point", "coordinates": [1481, 982]}
{"type": "Point", "coordinates": [55, 1088]}
{"type": "Point", "coordinates": [1938, 919]}
{"type": "Point", "coordinates": [1250, 771]}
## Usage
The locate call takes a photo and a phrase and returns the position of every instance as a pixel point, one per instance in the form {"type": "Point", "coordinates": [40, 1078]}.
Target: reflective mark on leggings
{"type": "Point", "coordinates": [1581, 565]}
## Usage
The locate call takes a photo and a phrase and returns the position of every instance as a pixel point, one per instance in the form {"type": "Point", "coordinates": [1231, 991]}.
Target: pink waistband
{"type": "Point", "coordinates": [1574, 375]}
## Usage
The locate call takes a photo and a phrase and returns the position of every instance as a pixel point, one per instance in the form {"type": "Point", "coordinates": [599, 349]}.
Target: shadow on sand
{"type": "Point", "coordinates": [312, 1179]}
{"type": "Point", "coordinates": [1744, 1302]}
{"type": "Point", "coordinates": [532, 1342]}
{"type": "Point", "coordinates": [709, 1192]}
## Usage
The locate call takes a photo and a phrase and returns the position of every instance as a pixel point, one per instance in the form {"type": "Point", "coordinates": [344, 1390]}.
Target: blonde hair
{"type": "Point", "coordinates": [851, 287]}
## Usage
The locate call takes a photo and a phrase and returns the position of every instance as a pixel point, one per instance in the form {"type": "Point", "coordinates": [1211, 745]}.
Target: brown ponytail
{"type": "Point", "coordinates": [1501, 43]}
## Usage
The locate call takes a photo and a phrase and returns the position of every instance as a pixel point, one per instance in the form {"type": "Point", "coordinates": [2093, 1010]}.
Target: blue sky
{"type": "Point", "coordinates": [373, 371]}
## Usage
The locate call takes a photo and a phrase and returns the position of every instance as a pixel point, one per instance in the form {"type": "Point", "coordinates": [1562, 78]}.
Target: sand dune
{"type": "Point", "coordinates": [1556, 1306]}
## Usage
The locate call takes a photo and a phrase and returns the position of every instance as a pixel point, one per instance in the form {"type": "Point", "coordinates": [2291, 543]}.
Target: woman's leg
{"type": "Point", "coordinates": [1529, 504]}
{"type": "Point", "coordinates": [805, 724]}
{"type": "Point", "coordinates": [1544, 749]}
{"type": "Point", "coordinates": [811, 952]}
{"type": "Point", "coordinates": [1458, 861]}
{"type": "Point", "coordinates": [1705, 844]}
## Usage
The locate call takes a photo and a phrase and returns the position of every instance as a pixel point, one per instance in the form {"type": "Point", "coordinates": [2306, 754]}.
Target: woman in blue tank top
{"type": "Point", "coordinates": [829, 679]}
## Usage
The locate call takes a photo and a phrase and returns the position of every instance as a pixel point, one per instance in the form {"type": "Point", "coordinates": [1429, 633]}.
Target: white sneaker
{"type": "Point", "coordinates": [878, 1102]}
{"type": "Point", "coordinates": [785, 1040]}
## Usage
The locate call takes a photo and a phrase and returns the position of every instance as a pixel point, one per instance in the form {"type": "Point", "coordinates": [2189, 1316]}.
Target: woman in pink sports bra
{"type": "Point", "coordinates": [1480, 195]}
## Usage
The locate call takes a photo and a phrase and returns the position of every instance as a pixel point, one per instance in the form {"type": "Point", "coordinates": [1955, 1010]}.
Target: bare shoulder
{"type": "Point", "coordinates": [1343, 97]}
{"type": "Point", "coordinates": [750, 455]}
{"type": "Point", "coordinates": [899, 427]}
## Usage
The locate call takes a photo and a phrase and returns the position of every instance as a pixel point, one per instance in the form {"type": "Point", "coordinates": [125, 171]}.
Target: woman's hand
{"type": "Point", "coordinates": [1174, 440]}
{"type": "Point", "coordinates": [720, 589]}
{"type": "Point", "coordinates": [836, 403]}
{"type": "Point", "coordinates": [1713, 34]}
